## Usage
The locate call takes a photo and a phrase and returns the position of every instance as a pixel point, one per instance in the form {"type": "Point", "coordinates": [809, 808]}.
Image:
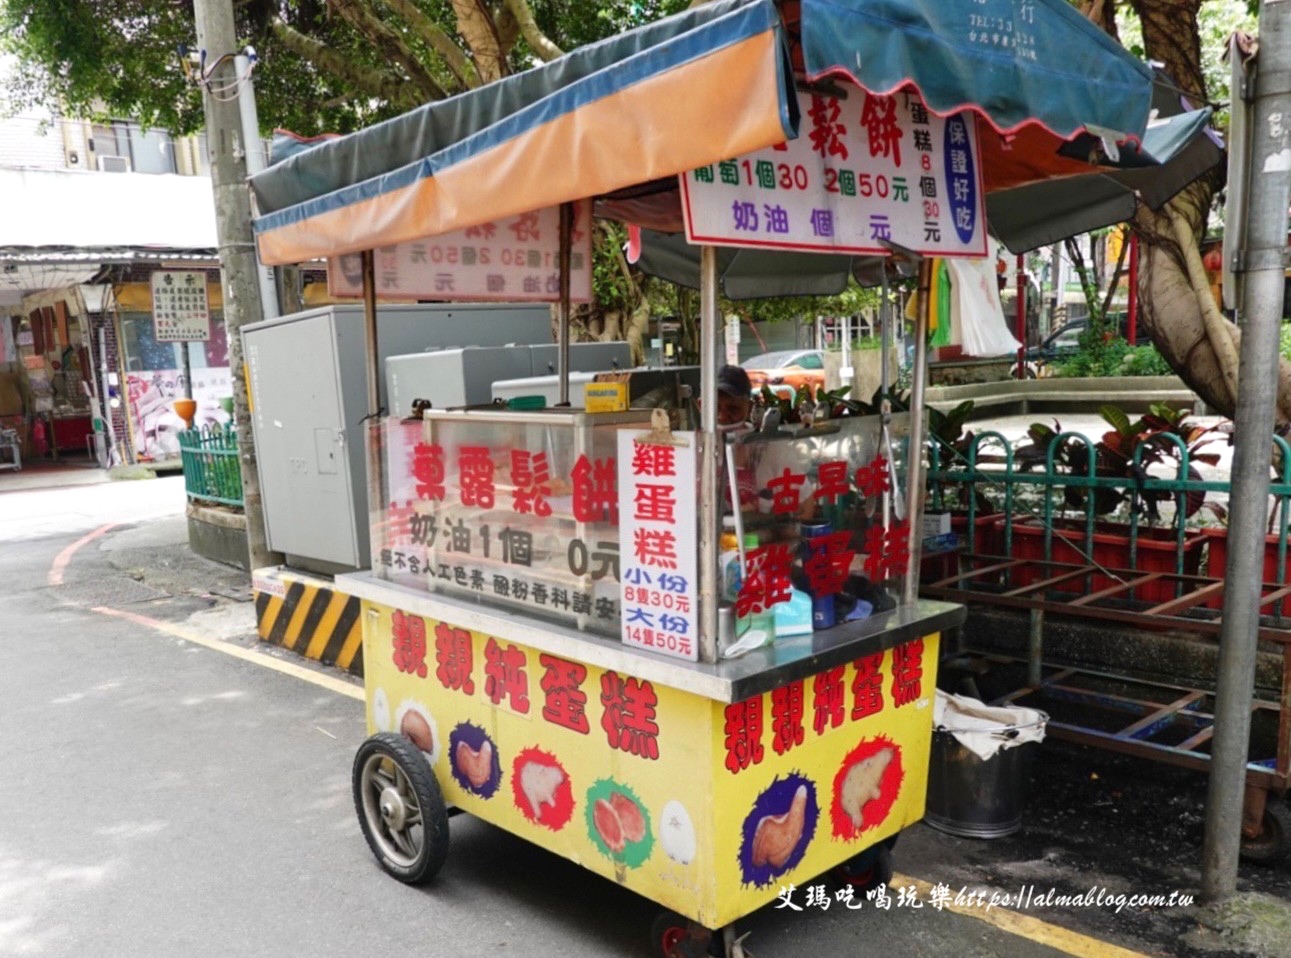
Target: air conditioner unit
{"type": "Point", "coordinates": [114, 164]}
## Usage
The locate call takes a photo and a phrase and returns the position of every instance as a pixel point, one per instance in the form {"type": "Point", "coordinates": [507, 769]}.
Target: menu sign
{"type": "Point", "coordinates": [657, 530]}
{"type": "Point", "coordinates": [864, 172]}
{"type": "Point", "coordinates": [514, 260]}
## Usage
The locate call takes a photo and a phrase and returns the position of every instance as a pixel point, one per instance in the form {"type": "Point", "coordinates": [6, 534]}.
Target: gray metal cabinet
{"type": "Point", "coordinates": [308, 382]}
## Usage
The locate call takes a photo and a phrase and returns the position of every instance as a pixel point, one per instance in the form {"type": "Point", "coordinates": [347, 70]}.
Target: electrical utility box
{"type": "Point", "coordinates": [307, 376]}
{"type": "Point", "coordinates": [452, 378]}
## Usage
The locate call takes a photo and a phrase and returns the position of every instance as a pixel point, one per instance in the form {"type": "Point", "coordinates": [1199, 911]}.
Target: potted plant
{"type": "Point", "coordinates": [1126, 452]}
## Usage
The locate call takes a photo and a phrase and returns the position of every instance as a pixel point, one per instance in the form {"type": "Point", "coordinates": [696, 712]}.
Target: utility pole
{"type": "Point", "coordinates": [1262, 271]}
{"type": "Point", "coordinates": [239, 270]}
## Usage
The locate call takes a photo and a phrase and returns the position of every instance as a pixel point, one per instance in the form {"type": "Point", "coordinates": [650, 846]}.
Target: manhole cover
{"type": "Point", "coordinates": [118, 590]}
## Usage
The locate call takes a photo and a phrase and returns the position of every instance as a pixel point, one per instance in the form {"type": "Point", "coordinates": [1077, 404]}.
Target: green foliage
{"type": "Point", "coordinates": [120, 58]}
{"type": "Point", "coordinates": [1097, 356]}
{"type": "Point", "coordinates": [1145, 360]}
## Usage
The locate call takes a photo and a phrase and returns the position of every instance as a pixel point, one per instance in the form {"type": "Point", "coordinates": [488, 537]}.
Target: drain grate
{"type": "Point", "coordinates": [111, 591]}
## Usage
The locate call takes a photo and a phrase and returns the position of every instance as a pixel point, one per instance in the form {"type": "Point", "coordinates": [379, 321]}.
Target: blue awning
{"type": "Point", "coordinates": [1016, 62]}
{"type": "Point", "coordinates": [693, 89]}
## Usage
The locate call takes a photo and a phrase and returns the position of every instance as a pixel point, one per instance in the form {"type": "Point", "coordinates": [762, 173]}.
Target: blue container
{"type": "Point", "coordinates": [822, 607]}
{"type": "Point", "coordinates": [822, 612]}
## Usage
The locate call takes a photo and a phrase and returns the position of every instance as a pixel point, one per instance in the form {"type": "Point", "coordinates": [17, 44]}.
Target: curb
{"type": "Point", "coordinates": [306, 615]}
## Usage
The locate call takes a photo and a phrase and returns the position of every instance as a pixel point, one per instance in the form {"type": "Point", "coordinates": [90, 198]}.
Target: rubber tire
{"type": "Point", "coordinates": [1274, 841]}
{"type": "Point", "coordinates": [411, 761]}
{"type": "Point", "coordinates": [868, 870]}
{"type": "Point", "coordinates": [670, 930]}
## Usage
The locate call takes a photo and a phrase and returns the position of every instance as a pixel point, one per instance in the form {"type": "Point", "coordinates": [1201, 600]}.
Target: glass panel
{"type": "Point", "coordinates": [811, 361]}
{"type": "Point", "coordinates": [822, 505]}
{"type": "Point", "coordinates": [513, 510]}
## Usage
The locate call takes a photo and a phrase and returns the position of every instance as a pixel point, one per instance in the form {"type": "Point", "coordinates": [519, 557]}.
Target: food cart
{"type": "Point", "coordinates": [548, 622]}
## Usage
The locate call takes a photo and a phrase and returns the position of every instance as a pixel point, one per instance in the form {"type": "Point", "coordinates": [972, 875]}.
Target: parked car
{"type": "Point", "coordinates": [1065, 340]}
{"type": "Point", "coordinates": [790, 367]}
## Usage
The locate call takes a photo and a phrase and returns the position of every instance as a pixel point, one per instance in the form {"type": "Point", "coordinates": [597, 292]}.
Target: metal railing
{"type": "Point", "coordinates": [1000, 499]}
{"type": "Point", "coordinates": [211, 471]}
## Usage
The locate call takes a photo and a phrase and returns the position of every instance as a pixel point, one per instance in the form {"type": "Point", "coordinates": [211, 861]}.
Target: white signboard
{"type": "Point", "coordinates": [658, 549]}
{"type": "Point", "coordinates": [179, 308]}
{"type": "Point", "coordinates": [863, 170]}
{"type": "Point", "coordinates": [514, 260]}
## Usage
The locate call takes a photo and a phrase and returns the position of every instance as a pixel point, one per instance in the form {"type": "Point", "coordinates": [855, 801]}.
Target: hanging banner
{"type": "Point", "coordinates": [657, 529]}
{"type": "Point", "coordinates": [516, 260]}
{"type": "Point", "coordinates": [865, 171]}
{"type": "Point", "coordinates": [180, 312]}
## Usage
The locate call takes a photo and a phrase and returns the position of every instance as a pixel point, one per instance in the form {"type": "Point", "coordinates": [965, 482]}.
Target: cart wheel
{"type": "Point", "coordinates": [674, 936]}
{"type": "Point", "coordinates": [400, 807]}
{"type": "Point", "coordinates": [868, 870]}
{"type": "Point", "coordinates": [1274, 841]}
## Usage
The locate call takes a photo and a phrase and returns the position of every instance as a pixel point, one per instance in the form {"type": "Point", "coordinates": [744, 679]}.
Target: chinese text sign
{"type": "Point", "coordinates": [516, 260]}
{"type": "Point", "coordinates": [864, 171]}
{"type": "Point", "coordinates": [657, 533]}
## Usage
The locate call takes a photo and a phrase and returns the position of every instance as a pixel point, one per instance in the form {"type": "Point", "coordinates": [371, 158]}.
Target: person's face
{"type": "Point", "coordinates": [732, 410]}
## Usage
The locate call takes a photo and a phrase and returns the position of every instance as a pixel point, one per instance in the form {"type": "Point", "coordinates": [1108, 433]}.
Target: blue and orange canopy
{"type": "Point", "coordinates": [705, 85]}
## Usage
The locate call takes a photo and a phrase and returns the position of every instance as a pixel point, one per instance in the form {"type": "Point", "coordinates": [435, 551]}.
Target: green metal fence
{"type": "Point", "coordinates": [210, 457]}
{"type": "Point", "coordinates": [998, 498]}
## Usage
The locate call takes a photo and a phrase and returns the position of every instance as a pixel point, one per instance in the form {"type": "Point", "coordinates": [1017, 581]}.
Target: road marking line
{"type": "Point", "coordinates": [63, 558]}
{"type": "Point", "coordinates": [1024, 926]}
{"type": "Point", "coordinates": [328, 682]}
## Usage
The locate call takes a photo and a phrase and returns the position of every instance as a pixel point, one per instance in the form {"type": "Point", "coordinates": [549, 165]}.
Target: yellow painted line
{"type": "Point", "coordinates": [323, 631]}
{"type": "Point", "coordinates": [329, 682]}
{"type": "Point", "coordinates": [1024, 926]}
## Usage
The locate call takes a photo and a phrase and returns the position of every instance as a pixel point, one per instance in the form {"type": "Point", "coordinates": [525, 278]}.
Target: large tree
{"type": "Point", "coordinates": [1178, 308]}
{"type": "Point", "coordinates": [340, 64]}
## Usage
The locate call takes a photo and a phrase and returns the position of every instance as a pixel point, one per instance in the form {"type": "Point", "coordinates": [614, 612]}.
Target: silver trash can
{"type": "Point", "coordinates": [975, 797]}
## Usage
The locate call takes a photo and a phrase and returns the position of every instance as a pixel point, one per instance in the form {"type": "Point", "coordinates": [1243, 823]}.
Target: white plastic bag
{"type": "Point", "coordinates": [975, 308]}
{"type": "Point", "coordinates": [985, 729]}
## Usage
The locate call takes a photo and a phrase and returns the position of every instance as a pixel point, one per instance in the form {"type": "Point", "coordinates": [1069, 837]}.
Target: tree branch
{"type": "Point", "coordinates": [391, 45]}
{"type": "Point", "coordinates": [370, 80]}
{"type": "Point", "coordinates": [538, 41]}
{"type": "Point", "coordinates": [439, 41]}
{"type": "Point", "coordinates": [475, 24]}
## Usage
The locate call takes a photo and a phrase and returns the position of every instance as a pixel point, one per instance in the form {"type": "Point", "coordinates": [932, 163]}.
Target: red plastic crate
{"type": "Point", "coordinates": [1111, 549]}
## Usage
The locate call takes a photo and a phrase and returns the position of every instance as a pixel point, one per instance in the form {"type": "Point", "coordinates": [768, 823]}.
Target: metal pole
{"type": "Point", "coordinates": [368, 260]}
{"type": "Point", "coordinates": [1022, 318]}
{"type": "Point", "coordinates": [188, 370]}
{"type": "Point", "coordinates": [710, 447]}
{"type": "Point", "coordinates": [1262, 293]}
{"type": "Point", "coordinates": [216, 37]}
{"type": "Point", "coordinates": [914, 458]}
{"type": "Point", "coordinates": [562, 315]}
{"type": "Point", "coordinates": [254, 148]}
{"type": "Point", "coordinates": [1132, 304]}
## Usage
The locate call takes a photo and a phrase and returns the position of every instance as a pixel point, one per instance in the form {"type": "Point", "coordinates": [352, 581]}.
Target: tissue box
{"type": "Point", "coordinates": [935, 524]}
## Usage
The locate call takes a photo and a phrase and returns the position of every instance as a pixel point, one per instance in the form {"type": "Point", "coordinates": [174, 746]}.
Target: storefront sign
{"type": "Point", "coordinates": [865, 171]}
{"type": "Point", "coordinates": [179, 309]}
{"type": "Point", "coordinates": [657, 495]}
{"type": "Point", "coordinates": [515, 260]}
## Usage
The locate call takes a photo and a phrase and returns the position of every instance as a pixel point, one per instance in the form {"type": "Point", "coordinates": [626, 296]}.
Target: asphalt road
{"type": "Point", "coordinates": [162, 798]}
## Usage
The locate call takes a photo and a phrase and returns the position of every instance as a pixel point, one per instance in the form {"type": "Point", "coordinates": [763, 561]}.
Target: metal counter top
{"type": "Point", "coordinates": [731, 680]}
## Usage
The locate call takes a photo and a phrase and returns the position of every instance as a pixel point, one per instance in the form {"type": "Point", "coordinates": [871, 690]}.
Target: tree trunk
{"type": "Point", "coordinates": [1178, 309]}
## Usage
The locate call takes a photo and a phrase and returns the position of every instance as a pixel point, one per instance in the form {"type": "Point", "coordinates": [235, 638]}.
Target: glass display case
{"type": "Point", "coordinates": [521, 510]}
{"type": "Point", "coordinates": [822, 520]}
{"type": "Point", "coordinates": [515, 509]}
